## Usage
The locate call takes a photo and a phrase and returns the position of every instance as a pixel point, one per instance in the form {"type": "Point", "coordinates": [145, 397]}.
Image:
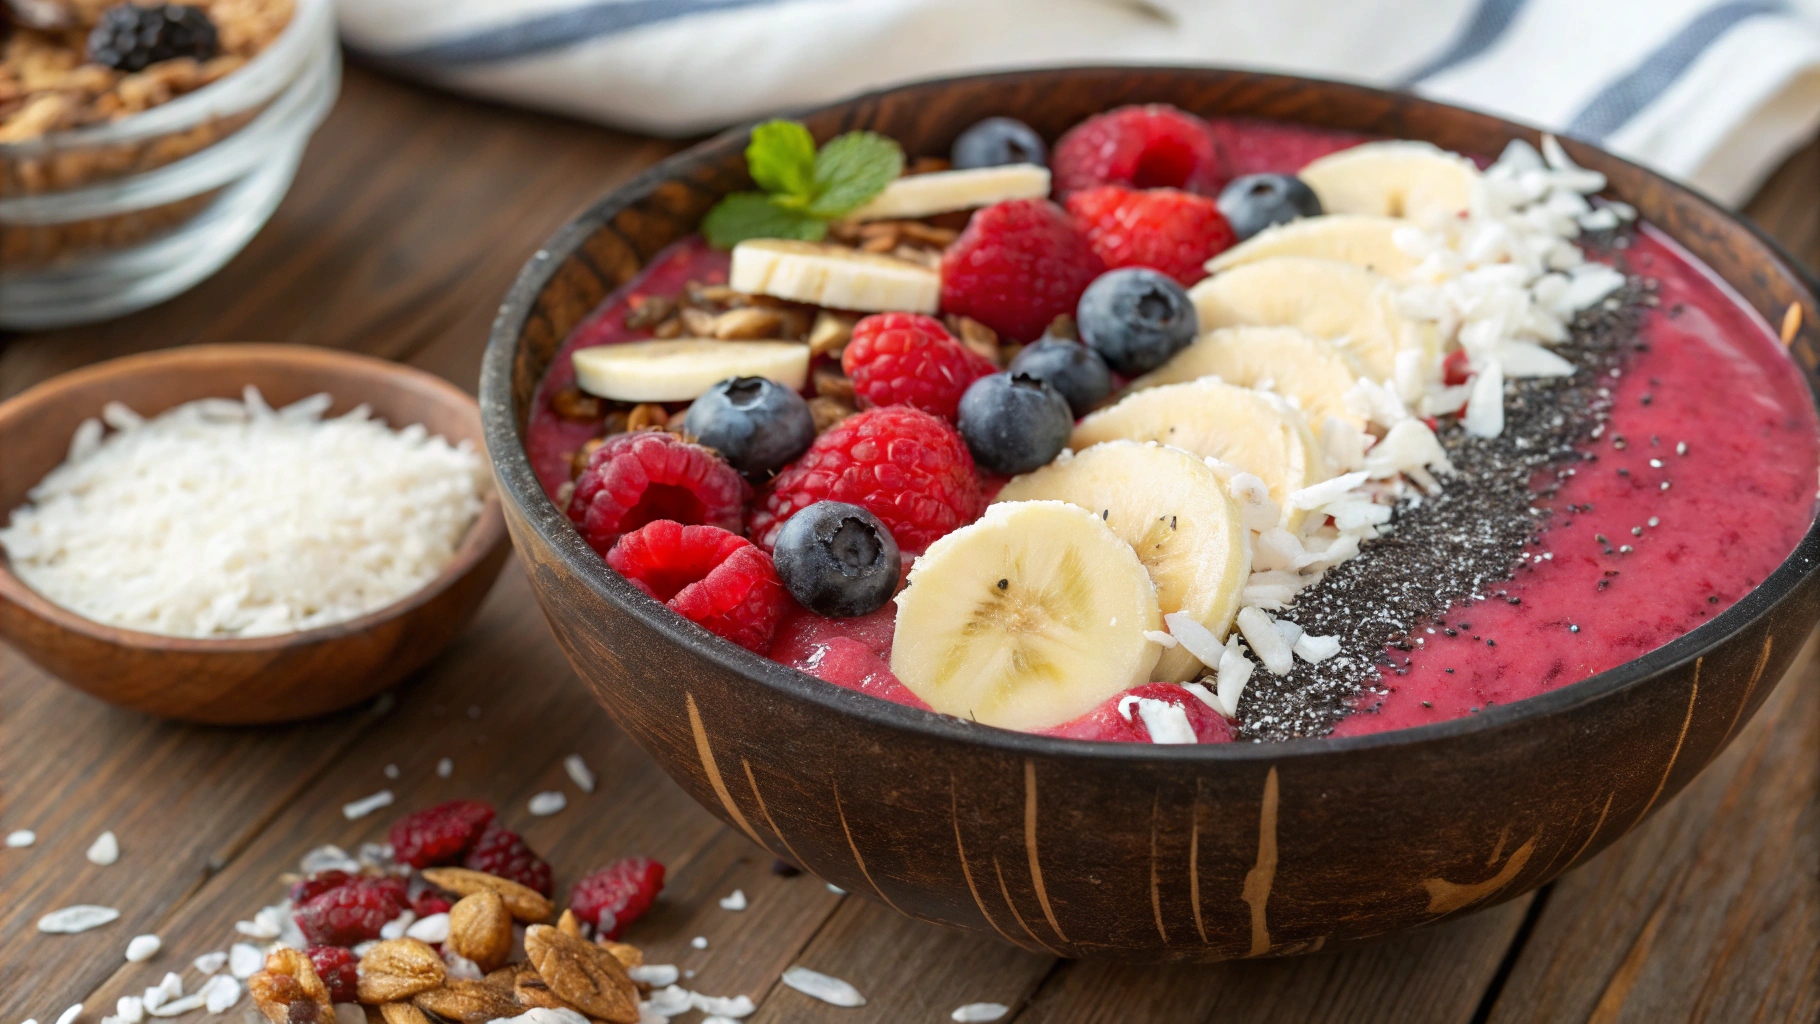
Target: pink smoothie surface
{"type": "Point", "coordinates": [1712, 408]}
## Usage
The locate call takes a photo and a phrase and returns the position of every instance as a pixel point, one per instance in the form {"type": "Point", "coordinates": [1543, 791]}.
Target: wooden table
{"type": "Point", "coordinates": [412, 213]}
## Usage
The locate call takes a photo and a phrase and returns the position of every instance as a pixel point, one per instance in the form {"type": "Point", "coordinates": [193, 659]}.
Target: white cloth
{"type": "Point", "coordinates": [1714, 92]}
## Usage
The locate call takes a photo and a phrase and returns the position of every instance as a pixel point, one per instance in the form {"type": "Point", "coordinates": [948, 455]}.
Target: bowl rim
{"type": "Point", "coordinates": [249, 85]}
{"type": "Point", "coordinates": [483, 536]}
{"type": "Point", "coordinates": [511, 466]}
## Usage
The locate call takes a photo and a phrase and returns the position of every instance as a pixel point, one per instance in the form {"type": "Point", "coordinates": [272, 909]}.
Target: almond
{"type": "Point", "coordinates": [526, 904]}
{"type": "Point", "coordinates": [480, 928]}
{"type": "Point", "coordinates": [583, 975]}
{"type": "Point", "coordinates": [399, 969]}
{"type": "Point", "coordinates": [470, 1002]}
{"type": "Point", "coordinates": [288, 990]}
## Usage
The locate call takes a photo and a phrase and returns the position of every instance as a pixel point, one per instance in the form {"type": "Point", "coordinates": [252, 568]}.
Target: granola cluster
{"type": "Point", "coordinates": [48, 83]}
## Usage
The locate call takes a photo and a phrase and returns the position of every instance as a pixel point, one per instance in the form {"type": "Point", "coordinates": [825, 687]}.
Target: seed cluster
{"type": "Point", "coordinates": [1441, 550]}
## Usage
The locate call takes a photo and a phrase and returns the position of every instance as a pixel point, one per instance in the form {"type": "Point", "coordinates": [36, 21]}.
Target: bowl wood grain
{"type": "Point", "coordinates": [1127, 851]}
{"type": "Point", "coordinates": [258, 679]}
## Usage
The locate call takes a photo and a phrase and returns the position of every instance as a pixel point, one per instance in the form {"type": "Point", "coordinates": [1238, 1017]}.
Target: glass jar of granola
{"type": "Point", "coordinates": [142, 146]}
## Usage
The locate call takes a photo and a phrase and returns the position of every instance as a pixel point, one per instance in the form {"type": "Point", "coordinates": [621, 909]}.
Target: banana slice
{"type": "Point", "coordinates": [1313, 372]}
{"type": "Point", "coordinates": [1245, 430]}
{"type": "Point", "coordinates": [1363, 240]}
{"type": "Point", "coordinates": [1338, 302]}
{"type": "Point", "coordinates": [830, 275]}
{"type": "Point", "coordinates": [919, 195]}
{"type": "Point", "coordinates": [1414, 180]}
{"type": "Point", "coordinates": [681, 369]}
{"type": "Point", "coordinates": [1173, 510]}
{"type": "Point", "coordinates": [1026, 618]}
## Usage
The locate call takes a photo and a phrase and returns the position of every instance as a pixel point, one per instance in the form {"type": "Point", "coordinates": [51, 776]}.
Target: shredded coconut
{"type": "Point", "coordinates": [224, 518]}
{"type": "Point", "coordinates": [817, 985]}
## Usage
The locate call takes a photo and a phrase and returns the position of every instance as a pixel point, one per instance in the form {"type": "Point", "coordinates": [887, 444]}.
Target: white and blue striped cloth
{"type": "Point", "coordinates": [1715, 92]}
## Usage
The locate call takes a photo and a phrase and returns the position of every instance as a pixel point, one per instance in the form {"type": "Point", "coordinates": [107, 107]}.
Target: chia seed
{"type": "Point", "coordinates": [1440, 550]}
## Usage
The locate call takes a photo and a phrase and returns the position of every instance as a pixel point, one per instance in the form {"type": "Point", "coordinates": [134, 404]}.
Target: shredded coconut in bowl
{"type": "Point", "coordinates": [223, 518]}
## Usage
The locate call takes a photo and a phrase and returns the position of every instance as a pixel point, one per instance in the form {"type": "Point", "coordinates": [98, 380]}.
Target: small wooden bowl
{"type": "Point", "coordinates": [260, 679]}
{"type": "Point", "coordinates": [1117, 850]}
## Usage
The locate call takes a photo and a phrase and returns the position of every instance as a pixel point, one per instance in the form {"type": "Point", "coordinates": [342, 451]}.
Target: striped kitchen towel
{"type": "Point", "coordinates": [1715, 92]}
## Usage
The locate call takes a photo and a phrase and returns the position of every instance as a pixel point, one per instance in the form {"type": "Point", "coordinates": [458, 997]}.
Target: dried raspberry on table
{"type": "Point", "coordinates": [713, 578]}
{"type": "Point", "coordinates": [1017, 267]}
{"type": "Point", "coordinates": [439, 835]}
{"type": "Point", "coordinates": [904, 466]}
{"type": "Point", "coordinates": [322, 881]}
{"type": "Point", "coordinates": [612, 897]}
{"type": "Point", "coordinates": [507, 855]}
{"type": "Point", "coordinates": [352, 913]}
{"type": "Point", "coordinates": [909, 359]}
{"type": "Point", "coordinates": [647, 475]}
{"type": "Point", "coordinates": [338, 968]}
{"type": "Point", "coordinates": [431, 901]}
{"type": "Point", "coordinates": [1153, 146]}
{"type": "Point", "coordinates": [1165, 229]}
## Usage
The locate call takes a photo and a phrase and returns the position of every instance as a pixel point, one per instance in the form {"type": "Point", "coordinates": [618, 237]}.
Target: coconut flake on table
{"type": "Point", "coordinates": [828, 989]}
{"type": "Point", "coordinates": [79, 918]}
{"type": "Point", "coordinates": [579, 773]}
{"type": "Point", "coordinates": [104, 851]}
{"type": "Point", "coordinates": [367, 805]}
{"type": "Point", "coordinates": [20, 839]}
{"type": "Point", "coordinates": [224, 518]}
{"type": "Point", "coordinates": [547, 803]}
{"type": "Point", "coordinates": [979, 1013]}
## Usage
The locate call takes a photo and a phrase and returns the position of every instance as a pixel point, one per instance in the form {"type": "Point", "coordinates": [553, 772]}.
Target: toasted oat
{"type": "Point", "coordinates": [649, 310]}
{"type": "Point", "coordinates": [629, 956]}
{"type": "Point", "coordinates": [647, 416]}
{"type": "Point", "coordinates": [747, 323]}
{"type": "Point", "coordinates": [576, 404]}
{"type": "Point", "coordinates": [402, 1013]}
{"type": "Point", "coordinates": [830, 333]}
{"type": "Point", "coordinates": [828, 411]}
{"type": "Point", "coordinates": [698, 322]}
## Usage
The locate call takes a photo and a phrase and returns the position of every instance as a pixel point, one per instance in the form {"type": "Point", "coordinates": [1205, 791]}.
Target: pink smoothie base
{"type": "Point", "coordinates": [1713, 378]}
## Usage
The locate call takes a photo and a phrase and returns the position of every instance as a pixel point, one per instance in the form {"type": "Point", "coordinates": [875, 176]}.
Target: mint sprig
{"type": "Point", "coordinates": [803, 188]}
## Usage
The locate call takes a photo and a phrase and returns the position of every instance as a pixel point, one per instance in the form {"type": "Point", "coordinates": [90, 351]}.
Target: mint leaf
{"type": "Point", "coordinates": [744, 215]}
{"type": "Point", "coordinates": [851, 169]}
{"type": "Point", "coordinates": [781, 159]}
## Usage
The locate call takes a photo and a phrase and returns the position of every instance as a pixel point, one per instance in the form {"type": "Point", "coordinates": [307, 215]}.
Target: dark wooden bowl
{"type": "Point", "coordinates": [261, 679]}
{"type": "Point", "coordinates": [1133, 851]}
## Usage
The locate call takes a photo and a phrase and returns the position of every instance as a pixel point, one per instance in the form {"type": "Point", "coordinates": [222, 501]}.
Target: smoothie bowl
{"type": "Point", "coordinates": [1215, 515]}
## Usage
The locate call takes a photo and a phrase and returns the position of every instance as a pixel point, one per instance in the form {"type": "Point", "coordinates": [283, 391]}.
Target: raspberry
{"type": "Point", "coordinates": [317, 884]}
{"type": "Point", "coordinates": [1164, 229]}
{"type": "Point", "coordinates": [907, 359]}
{"type": "Point", "coordinates": [507, 855]}
{"type": "Point", "coordinates": [1017, 267]}
{"type": "Point", "coordinates": [440, 834]}
{"type": "Point", "coordinates": [1154, 146]}
{"type": "Point", "coordinates": [612, 897]}
{"type": "Point", "coordinates": [353, 913]}
{"type": "Point", "coordinates": [337, 966]}
{"type": "Point", "coordinates": [646, 475]}
{"type": "Point", "coordinates": [431, 901]}
{"type": "Point", "coordinates": [713, 578]}
{"type": "Point", "coordinates": [903, 465]}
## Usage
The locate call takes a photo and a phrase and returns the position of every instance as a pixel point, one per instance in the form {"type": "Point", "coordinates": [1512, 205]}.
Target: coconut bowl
{"type": "Point", "coordinates": [250, 680]}
{"type": "Point", "coordinates": [1134, 852]}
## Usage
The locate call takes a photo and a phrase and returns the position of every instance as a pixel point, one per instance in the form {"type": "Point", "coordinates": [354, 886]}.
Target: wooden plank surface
{"type": "Point", "coordinates": [409, 219]}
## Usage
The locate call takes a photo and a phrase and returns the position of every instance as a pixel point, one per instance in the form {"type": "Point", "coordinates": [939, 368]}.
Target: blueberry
{"type": "Point", "coordinates": [1014, 422]}
{"type": "Point", "coordinates": [997, 141]}
{"type": "Point", "coordinates": [1136, 318]}
{"type": "Point", "coordinates": [756, 424]}
{"type": "Point", "coordinates": [1068, 366]}
{"type": "Point", "coordinates": [1257, 201]}
{"type": "Point", "coordinates": [837, 560]}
